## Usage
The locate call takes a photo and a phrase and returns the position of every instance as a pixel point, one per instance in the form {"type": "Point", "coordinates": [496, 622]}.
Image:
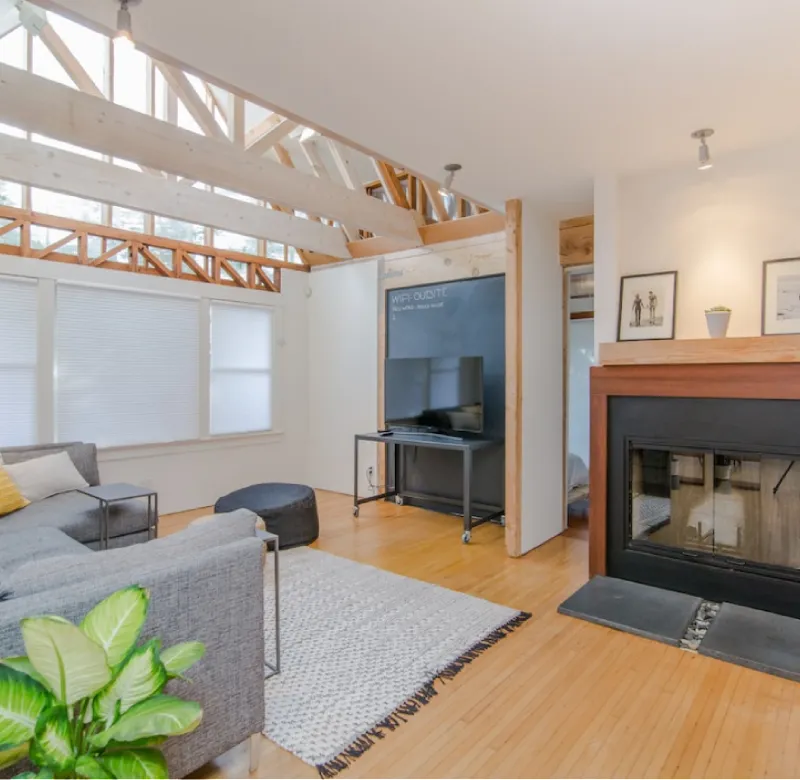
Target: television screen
{"type": "Point", "coordinates": [439, 394]}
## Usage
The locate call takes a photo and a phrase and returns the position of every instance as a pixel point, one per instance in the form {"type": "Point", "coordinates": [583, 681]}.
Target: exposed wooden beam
{"type": "Point", "coordinates": [73, 68]}
{"type": "Point", "coordinates": [179, 83]}
{"type": "Point", "coordinates": [236, 120]}
{"type": "Point", "coordinates": [312, 154]}
{"type": "Point", "coordinates": [436, 199]}
{"type": "Point", "coordinates": [343, 161]}
{"type": "Point", "coordinates": [263, 127]}
{"type": "Point", "coordinates": [68, 61]}
{"type": "Point", "coordinates": [272, 137]}
{"type": "Point", "coordinates": [55, 169]}
{"type": "Point", "coordinates": [135, 253]}
{"type": "Point", "coordinates": [282, 153]}
{"type": "Point", "coordinates": [391, 184]}
{"type": "Point", "coordinates": [97, 124]}
{"type": "Point", "coordinates": [514, 303]}
{"type": "Point", "coordinates": [576, 238]}
{"type": "Point", "coordinates": [314, 157]}
{"type": "Point", "coordinates": [437, 233]}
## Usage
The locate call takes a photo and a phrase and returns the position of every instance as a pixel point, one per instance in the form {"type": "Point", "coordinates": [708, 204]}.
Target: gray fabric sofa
{"type": "Point", "coordinates": [77, 515]}
{"type": "Point", "coordinates": [205, 583]}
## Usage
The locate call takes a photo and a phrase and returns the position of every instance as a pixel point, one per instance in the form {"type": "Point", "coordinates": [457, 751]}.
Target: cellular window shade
{"type": "Point", "coordinates": [126, 367]}
{"type": "Point", "coordinates": [18, 318]}
{"type": "Point", "coordinates": [241, 368]}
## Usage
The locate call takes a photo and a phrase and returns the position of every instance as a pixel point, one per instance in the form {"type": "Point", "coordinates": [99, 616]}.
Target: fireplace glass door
{"type": "Point", "coordinates": [733, 507]}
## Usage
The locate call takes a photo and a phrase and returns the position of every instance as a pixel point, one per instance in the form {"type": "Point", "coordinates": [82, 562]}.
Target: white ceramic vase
{"type": "Point", "coordinates": [717, 323]}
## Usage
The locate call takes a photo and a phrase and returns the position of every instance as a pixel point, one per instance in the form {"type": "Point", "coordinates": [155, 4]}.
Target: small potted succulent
{"type": "Point", "coordinates": [717, 320]}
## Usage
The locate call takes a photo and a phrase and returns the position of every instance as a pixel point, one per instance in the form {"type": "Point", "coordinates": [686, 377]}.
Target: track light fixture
{"type": "Point", "coordinates": [703, 153]}
{"type": "Point", "coordinates": [124, 22]}
{"type": "Point", "coordinates": [451, 170]}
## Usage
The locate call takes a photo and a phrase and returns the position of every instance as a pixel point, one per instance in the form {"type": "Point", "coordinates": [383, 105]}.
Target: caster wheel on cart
{"type": "Point", "coordinates": [355, 511]}
{"type": "Point", "coordinates": [398, 500]}
{"type": "Point", "coordinates": [466, 536]}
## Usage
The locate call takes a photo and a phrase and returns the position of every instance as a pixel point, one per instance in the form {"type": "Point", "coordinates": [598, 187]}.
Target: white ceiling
{"type": "Point", "coordinates": [532, 97]}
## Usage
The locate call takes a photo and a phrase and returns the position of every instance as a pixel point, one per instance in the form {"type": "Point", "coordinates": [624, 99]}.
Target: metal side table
{"type": "Point", "coordinates": [272, 539]}
{"type": "Point", "coordinates": [116, 492]}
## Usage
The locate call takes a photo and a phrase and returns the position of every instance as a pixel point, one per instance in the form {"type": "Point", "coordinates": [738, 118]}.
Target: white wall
{"type": "Point", "coordinates": [542, 471]}
{"type": "Point", "coordinates": [714, 227]}
{"type": "Point", "coordinates": [342, 373]}
{"type": "Point", "coordinates": [193, 474]}
{"type": "Point", "coordinates": [345, 314]}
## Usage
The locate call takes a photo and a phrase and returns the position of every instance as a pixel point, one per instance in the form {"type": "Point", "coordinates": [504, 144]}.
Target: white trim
{"type": "Point", "coordinates": [204, 367]}
{"type": "Point", "coordinates": [68, 273]}
{"type": "Point", "coordinates": [46, 360]}
{"type": "Point", "coordinates": [206, 444]}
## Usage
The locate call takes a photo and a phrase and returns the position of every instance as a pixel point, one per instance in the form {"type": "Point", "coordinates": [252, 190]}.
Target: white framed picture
{"type": "Point", "coordinates": [780, 297]}
{"type": "Point", "coordinates": [647, 306]}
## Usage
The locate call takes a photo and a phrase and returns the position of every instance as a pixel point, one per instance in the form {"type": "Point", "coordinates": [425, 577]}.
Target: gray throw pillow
{"type": "Point", "coordinates": [60, 572]}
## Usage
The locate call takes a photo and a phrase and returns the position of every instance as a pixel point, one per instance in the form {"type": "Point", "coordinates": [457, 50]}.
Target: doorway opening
{"type": "Point", "coordinates": [578, 360]}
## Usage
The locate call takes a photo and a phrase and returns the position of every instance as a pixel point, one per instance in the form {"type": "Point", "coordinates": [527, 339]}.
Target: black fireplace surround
{"type": "Point", "coordinates": [704, 497]}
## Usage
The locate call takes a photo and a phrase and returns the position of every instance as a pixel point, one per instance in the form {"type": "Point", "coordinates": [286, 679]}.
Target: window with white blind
{"type": "Point", "coordinates": [18, 326]}
{"type": "Point", "coordinates": [127, 366]}
{"type": "Point", "coordinates": [241, 368]}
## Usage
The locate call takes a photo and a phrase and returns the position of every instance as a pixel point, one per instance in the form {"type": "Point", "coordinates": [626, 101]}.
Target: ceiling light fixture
{"type": "Point", "coordinates": [452, 169]}
{"type": "Point", "coordinates": [703, 153]}
{"type": "Point", "coordinates": [124, 22]}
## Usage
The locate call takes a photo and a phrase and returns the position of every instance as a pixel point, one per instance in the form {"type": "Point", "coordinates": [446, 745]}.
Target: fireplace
{"type": "Point", "coordinates": [696, 480]}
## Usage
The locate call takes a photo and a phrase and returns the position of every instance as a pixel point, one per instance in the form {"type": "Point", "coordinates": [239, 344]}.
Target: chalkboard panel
{"type": "Point", "coordinates": [463, 318]}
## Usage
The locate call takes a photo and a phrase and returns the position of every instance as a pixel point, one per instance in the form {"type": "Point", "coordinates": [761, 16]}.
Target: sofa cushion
{"type": "Point", "coordinates": [84, 456]}
{"type": "Point", "coordinates": [34, 544]}
{"type": "Point", "coordinates": [78, 516]}
{"type": "Point", "coordinates": [60, 572]}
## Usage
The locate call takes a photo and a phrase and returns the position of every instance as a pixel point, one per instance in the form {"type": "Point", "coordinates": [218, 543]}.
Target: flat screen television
{"type": "Point", "coordinates": [437, 394]}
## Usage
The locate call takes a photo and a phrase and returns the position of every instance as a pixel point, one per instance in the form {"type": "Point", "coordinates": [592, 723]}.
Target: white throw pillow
{"type": "Point", "coordinates": [44, 477]}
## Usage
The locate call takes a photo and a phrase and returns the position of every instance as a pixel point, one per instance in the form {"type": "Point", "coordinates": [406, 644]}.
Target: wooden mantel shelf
{"type": "Point", "coordinates": [758, 349]}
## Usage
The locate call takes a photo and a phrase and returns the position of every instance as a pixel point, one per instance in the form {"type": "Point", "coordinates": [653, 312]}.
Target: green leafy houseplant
{"type": "Point", "coordinates": [86, 702]}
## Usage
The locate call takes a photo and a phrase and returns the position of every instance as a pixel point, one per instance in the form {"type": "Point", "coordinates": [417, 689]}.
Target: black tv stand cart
{"type": "Point", "coordinates": [397, 440]}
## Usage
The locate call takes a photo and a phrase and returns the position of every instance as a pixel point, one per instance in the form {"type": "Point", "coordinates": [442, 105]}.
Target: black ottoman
{"type": "Point", "coordinates": [287, 510]}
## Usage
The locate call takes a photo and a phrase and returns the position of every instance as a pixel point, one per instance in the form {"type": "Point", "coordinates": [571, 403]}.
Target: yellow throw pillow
{"type": "Point", "coordinates": [10, 498]}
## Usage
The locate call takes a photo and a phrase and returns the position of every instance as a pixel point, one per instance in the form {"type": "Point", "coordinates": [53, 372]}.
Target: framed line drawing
{"type": "Point", "coordinates": [780, 297]}
{"type": "Point", "coordinates": [647, 306]}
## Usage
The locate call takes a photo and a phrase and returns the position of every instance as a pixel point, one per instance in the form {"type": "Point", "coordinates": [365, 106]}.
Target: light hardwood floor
{"type": "Point", "coordinates": [559, 697]}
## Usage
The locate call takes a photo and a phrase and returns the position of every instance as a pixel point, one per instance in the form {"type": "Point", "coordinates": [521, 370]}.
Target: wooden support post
{"type": "Point", "coordinates": [513, 376]}
{"type": "Point", "coordinates": [391, 184]}
{"type": "Point", "coordinates": [179, 83]}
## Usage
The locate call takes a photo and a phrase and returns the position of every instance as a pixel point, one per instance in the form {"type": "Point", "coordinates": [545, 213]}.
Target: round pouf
{"type": "Point", "coordinates": [290, 511]}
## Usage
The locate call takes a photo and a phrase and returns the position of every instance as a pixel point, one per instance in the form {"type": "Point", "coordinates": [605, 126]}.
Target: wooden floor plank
{"type": "Point", "coordinates": [559, 697]}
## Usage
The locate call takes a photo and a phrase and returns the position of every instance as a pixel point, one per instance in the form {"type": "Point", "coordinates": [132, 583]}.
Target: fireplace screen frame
{"type": "Point", "coordinates": [720, 558]}
{"type": "Point", "coordinates": [731, 426]}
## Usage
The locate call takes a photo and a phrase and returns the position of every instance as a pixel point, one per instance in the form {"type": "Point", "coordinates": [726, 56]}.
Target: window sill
{"type": "Point", "coordinates": [226, 441]}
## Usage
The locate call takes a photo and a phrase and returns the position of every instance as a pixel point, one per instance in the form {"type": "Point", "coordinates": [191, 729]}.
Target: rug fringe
{"type": "Point", "coordinates": [412, 705]}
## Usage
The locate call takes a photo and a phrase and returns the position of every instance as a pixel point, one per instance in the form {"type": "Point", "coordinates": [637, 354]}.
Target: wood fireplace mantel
{"type": "Point", "coordinates": [758, 349]}
{"type": "Point", "coordinates": [711, 368]}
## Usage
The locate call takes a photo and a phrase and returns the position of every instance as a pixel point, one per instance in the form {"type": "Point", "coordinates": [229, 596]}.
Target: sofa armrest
{"type": "Point", "coordinates": [216, 597]}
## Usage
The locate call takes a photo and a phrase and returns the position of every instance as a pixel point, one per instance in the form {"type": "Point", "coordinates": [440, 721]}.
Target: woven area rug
{"type": "Point", "coordinates": [362, 650]}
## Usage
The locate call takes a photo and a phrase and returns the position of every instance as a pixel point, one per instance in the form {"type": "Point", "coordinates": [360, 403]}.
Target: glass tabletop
{"type": "Point", "coordinates": [117, 491]}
